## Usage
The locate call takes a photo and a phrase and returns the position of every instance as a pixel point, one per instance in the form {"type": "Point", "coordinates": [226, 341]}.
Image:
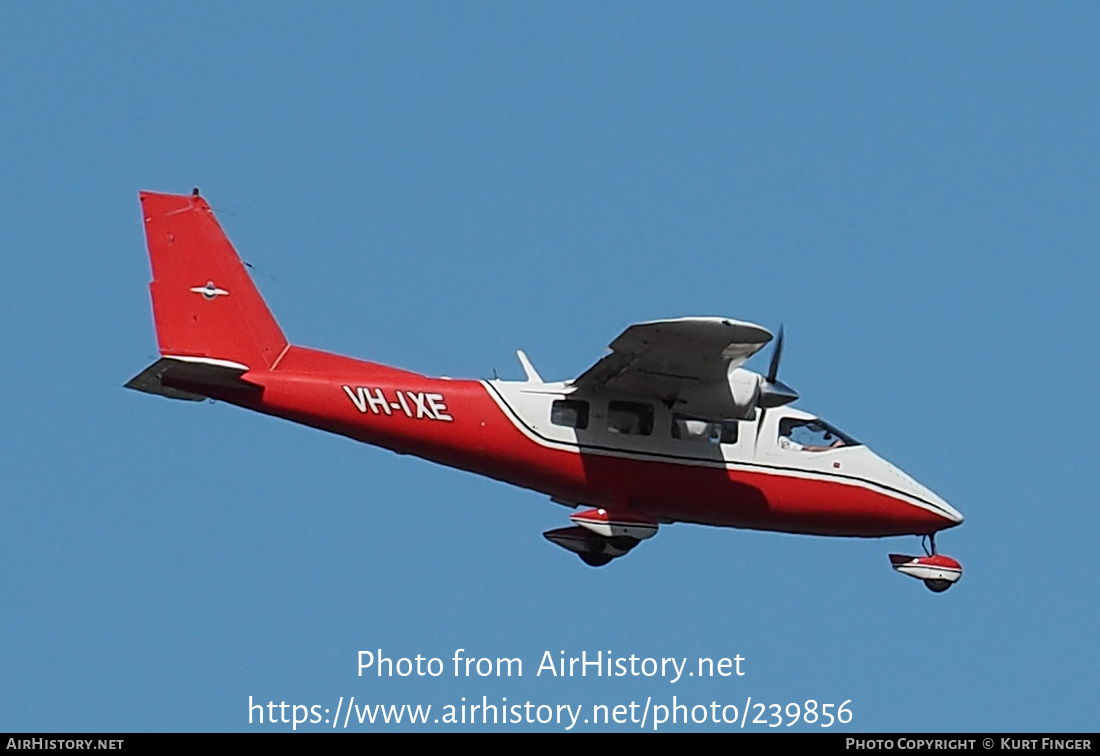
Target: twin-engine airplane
{"type": "Point", "coordinates": [666, 428]}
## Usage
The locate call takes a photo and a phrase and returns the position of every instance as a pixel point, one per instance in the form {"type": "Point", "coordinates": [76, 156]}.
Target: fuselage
{"type": "Point", "coordinates": [621, 452]}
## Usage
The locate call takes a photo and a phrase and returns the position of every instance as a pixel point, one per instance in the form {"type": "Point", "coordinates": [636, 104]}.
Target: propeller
{"type": "Point", "coordinates": [773, 392]}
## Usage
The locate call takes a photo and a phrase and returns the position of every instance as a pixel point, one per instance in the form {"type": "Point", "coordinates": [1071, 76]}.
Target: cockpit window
{"type": "Point", "coordinates": [811, 435]}
{"type": "Point", "coordinates": [715, 431]}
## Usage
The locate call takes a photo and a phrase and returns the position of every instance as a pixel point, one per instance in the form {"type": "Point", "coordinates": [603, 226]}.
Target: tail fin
{"type": "Point", "coordinates": [204, 302]}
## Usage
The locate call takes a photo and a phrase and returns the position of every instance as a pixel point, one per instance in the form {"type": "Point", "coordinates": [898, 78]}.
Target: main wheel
{"type": "Point", "coordinates": [938, 586]}
{"type": "Point", "coordinates": [595, 560]}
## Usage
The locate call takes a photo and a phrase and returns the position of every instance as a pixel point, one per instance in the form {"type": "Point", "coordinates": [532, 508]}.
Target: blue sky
{"type": "Point", "coordinates": [911, 189]}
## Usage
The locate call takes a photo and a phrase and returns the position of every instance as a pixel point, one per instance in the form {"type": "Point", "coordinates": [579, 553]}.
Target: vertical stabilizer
{"type": "Point", "coordinates": [204, 302]}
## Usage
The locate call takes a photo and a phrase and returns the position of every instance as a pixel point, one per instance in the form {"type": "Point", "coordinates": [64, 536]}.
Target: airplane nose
{"type": "Point", "coordinates": [945, 510]}
{"type": "Point", "coordinates": [942, 508]}
{"type": "Point", "coordinates": [953, 514]}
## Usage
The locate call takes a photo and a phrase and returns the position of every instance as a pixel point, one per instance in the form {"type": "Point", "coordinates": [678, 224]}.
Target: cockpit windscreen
{"type": "Point", "coordinates": [811, 435]}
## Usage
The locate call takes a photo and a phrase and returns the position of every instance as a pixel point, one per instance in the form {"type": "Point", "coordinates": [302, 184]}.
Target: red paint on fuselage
{"type": "Point", "coordinates": [307, 386]}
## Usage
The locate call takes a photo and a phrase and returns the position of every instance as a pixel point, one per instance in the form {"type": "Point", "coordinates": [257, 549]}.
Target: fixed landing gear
{"type": "Point", "coordinates": [594, 550]}
{"type": "Point", "coordinates": [937, 571]}
{"type": "Point", "coordinates": [601, 535]}
{"type": "Point", "coordinates": [595, 560]}
{"type": "Point", "coordinates": [937, 586]}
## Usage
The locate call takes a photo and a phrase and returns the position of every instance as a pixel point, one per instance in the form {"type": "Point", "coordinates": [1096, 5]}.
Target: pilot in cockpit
{"type": "Point", "coordinates": [810, 435]}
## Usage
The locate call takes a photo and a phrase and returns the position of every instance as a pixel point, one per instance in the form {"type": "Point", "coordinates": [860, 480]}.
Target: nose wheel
{"type": "Point", "coordinates": [937, 571]}
{"type": "Point", "coordinates": [937, 586]}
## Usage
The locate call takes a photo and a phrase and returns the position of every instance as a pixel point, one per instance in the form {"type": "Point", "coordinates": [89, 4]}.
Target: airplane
{"type": "Point", "coordinates": [667, 427]}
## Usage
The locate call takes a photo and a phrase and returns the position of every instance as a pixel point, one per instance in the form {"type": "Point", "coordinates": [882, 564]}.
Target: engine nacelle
{"type": "Point", "coordinates": [736, 398]}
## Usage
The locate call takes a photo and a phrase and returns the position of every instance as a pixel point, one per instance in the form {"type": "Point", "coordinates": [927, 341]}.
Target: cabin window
{"type": "Point", "coordinates": [630, 418]}
{"type": "Point", "coordinates": [715, 431]}
{"type": "Point", "coordinates": [571, 413]}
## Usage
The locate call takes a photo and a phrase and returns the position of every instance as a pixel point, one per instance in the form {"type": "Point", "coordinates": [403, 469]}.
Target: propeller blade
{"type": "Point", "coordinates": [773, 367]}
{"type": "Point", "coordinates": [759, 425]}
{"type": "Point", "coordinates": [773, 392]}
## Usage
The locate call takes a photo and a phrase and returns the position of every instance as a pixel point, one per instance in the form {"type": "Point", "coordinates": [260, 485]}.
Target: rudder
{"type": "Point", "coordinates": [205, 304]}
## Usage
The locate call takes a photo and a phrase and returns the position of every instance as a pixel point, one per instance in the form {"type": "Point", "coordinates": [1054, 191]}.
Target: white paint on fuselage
{"type": "Point", "coordinates": [528, 406]}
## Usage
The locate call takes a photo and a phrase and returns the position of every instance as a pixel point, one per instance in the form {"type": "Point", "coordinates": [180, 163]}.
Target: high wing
{"type": "Point", "coordinates": [663, 358]}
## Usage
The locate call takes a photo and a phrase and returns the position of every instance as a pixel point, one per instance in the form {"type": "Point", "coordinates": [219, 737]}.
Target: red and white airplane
{"type": "Point", "coordinates": [666, 428]}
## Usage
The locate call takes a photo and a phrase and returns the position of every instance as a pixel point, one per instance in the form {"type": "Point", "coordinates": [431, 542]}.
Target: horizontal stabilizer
{"type": "Point", "coordinates": [191, 379]}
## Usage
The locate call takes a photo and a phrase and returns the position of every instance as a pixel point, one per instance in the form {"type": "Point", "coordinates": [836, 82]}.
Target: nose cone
{"type": "Point", "coordinates": [951, 514]}
{"type": "Point", "coordinates": [935, 503]}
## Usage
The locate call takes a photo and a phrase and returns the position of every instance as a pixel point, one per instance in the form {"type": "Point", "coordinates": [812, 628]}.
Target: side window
{"type": "Point", "coordinates": [630, 418]}
{"type": "Point", "coordinates": [715, 431]}
{"type": "Point", "coordinates": [572, 413]}
{"type": "Point", "coordinates": [729, 432]}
